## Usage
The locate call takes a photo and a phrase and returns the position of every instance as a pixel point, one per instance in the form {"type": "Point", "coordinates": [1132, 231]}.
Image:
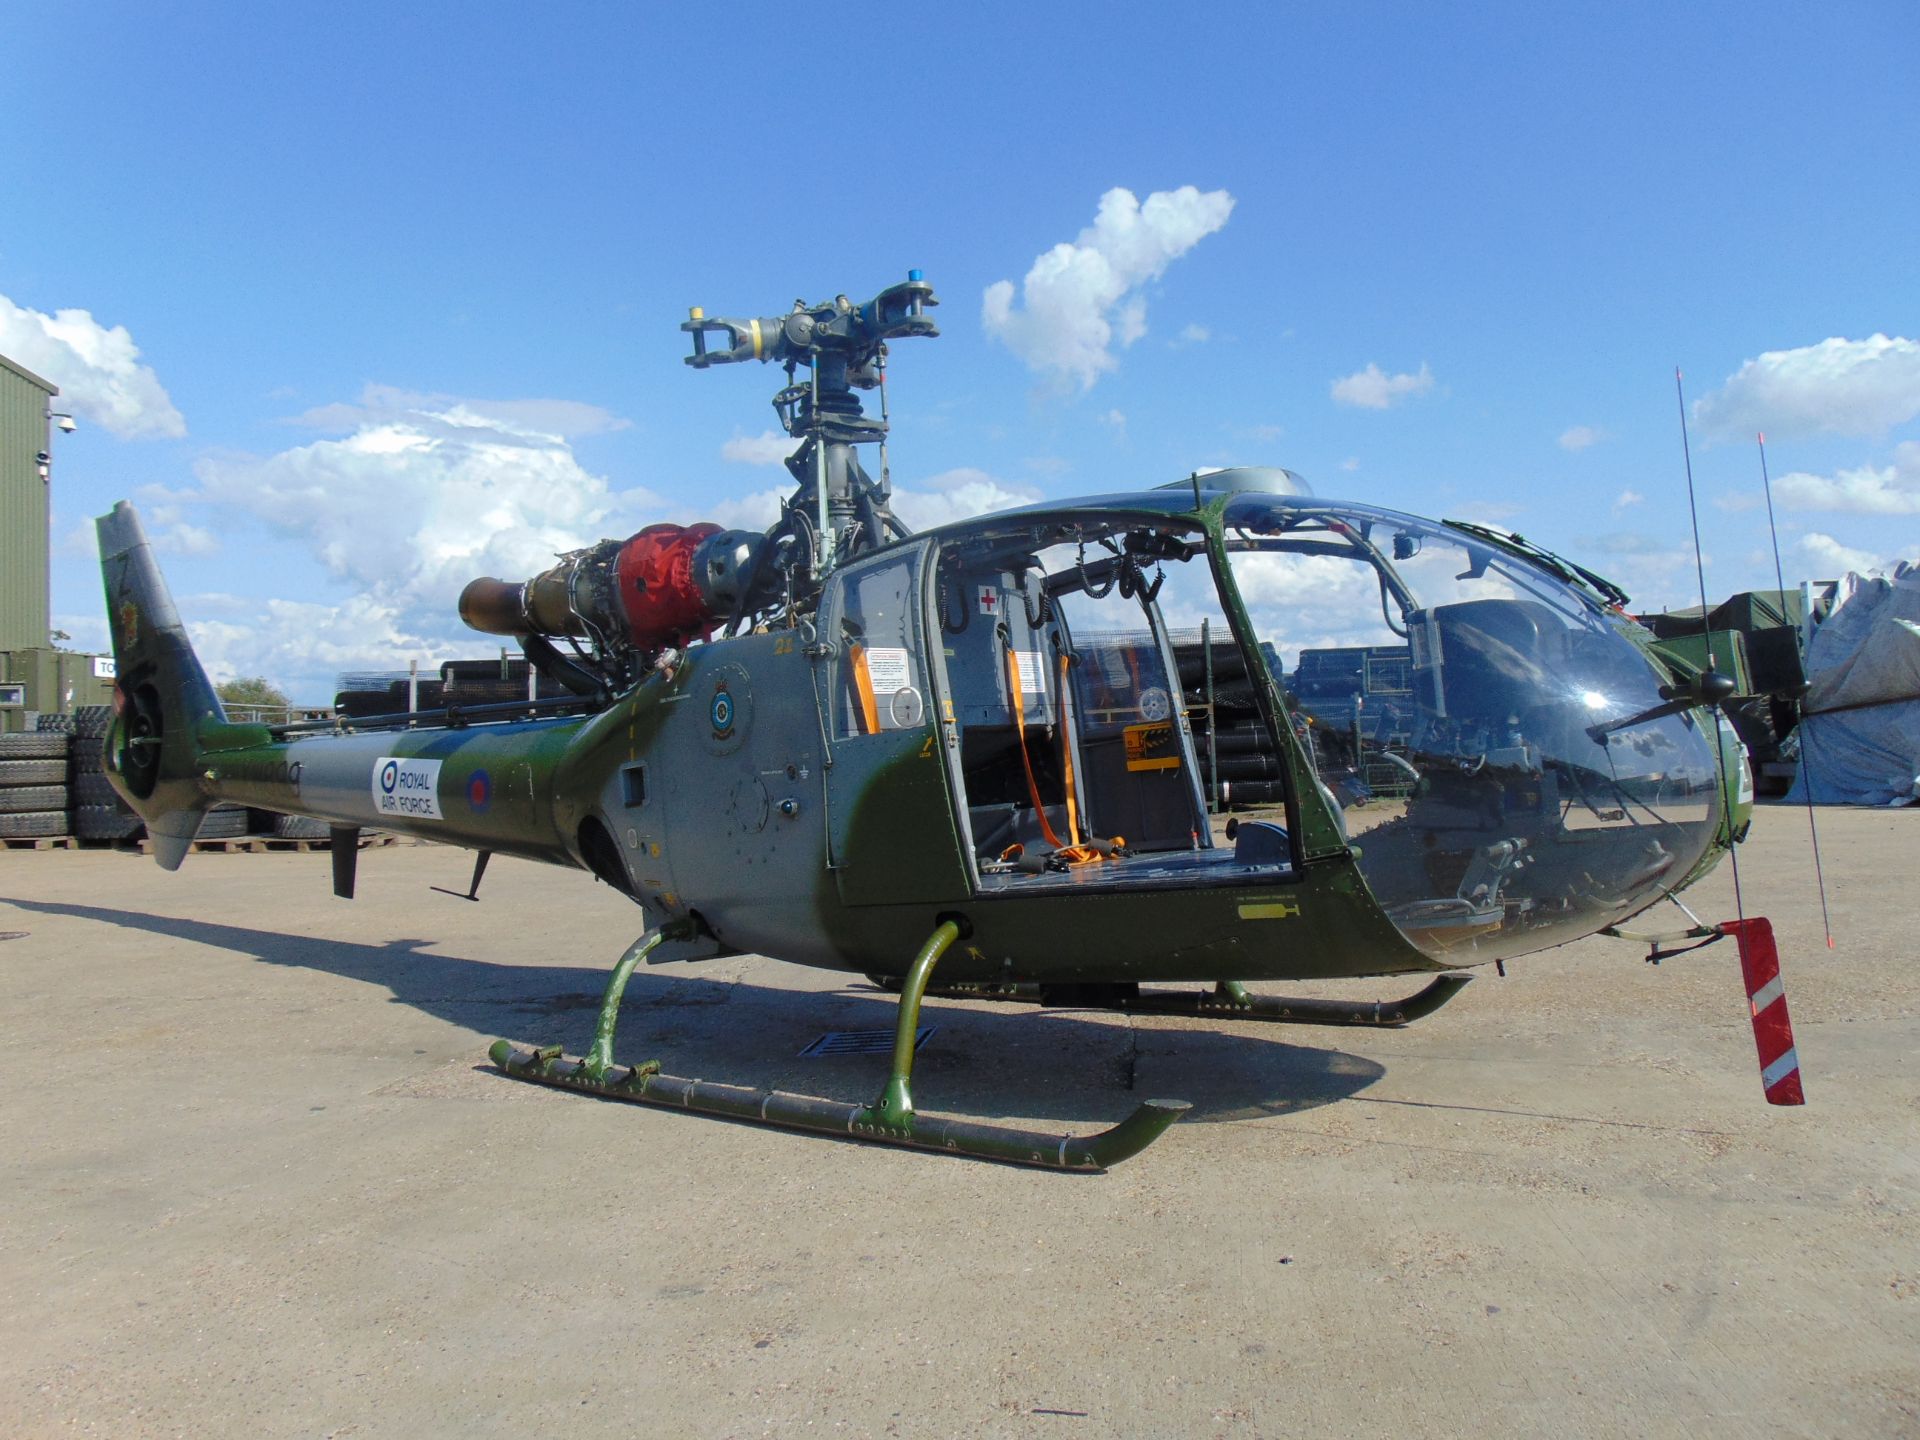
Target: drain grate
{"type": "Point", "coordinates": [862, 1042]}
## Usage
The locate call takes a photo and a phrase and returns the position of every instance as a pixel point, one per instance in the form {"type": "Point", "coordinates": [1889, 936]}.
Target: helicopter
{"type": "Point", "coordinates": [1070, 754]}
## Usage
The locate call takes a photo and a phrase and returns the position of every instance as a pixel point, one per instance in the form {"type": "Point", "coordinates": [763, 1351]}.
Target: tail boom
{"type": "Point", "coordinates": [173, 754]}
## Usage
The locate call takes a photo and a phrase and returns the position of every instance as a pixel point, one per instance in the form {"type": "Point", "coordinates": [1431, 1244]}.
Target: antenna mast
{"type": "Point", "coordinates": [1709, 681]}
{"type": "Point", "coordinates": [1806, 777]}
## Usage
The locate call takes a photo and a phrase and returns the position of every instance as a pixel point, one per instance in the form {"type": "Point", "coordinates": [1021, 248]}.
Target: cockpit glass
{"type": "Point", "coordinates": [1475, 719]}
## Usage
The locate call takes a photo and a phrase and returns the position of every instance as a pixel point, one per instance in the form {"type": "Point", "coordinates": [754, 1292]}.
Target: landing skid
{"type": "Point", "coordinates": [890, 1119]}
{"type": "Point", "coordinates": [1228, 1000]}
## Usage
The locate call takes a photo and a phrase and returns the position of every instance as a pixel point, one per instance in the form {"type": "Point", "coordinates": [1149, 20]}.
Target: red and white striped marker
{"type": "Point", "coordinates": [1767, 1000]}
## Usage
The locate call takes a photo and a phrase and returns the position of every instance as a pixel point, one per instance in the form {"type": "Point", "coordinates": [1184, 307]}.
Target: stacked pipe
{"type": "Point", "coordinates": [1220, 697]}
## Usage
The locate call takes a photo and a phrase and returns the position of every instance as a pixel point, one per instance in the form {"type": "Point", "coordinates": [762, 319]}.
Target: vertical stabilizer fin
{"type": "Point", "coordinates": [162, 697]}
{"type": "Point", "coordinates": [171, 835]}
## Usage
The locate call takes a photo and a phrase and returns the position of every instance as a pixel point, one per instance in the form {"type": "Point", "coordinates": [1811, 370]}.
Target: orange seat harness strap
{"type": "Point", "coordinates": [1066, 760]}
{"type": "Point", "coordinates": [1074, 853]}
{"type": "Point", "coordinates": [867, 710]}
{"type": "Point", "coordinates": [1018, 699]}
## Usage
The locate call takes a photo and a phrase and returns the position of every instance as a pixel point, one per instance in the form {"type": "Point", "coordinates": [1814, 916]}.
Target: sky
{"type": "Point", "coordinates": [358, 302]}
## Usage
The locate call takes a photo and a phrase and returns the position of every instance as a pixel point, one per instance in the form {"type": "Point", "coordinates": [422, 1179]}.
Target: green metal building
{"type": "Point", "coordinates": [25, 440]}
{"type": "Point", "coordinates": [35, 677]}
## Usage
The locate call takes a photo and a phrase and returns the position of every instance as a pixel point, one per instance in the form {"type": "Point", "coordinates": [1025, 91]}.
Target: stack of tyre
{"type": "Point", "coordinates": [98, 811]}
{"type": "Point", "coordinates": [33, 784]}
{"type": "Point", "coordinates": [54, 782]}
{"type": "Point", "coordinates": [223, 822]}
{"type": "Point", "coordinates": [288, 827]}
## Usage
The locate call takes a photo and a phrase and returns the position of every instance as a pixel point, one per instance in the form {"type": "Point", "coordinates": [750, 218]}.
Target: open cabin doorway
{"type": "Point", "coordinates": [1073, 660]}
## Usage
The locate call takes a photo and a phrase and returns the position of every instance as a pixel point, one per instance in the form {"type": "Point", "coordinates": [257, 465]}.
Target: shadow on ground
{"type": "Point", "coordinates": [1062, 1064]}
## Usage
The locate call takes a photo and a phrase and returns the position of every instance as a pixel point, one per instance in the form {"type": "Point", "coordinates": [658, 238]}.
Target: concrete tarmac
{"type": "Point", "coordinates": [259, 1181]}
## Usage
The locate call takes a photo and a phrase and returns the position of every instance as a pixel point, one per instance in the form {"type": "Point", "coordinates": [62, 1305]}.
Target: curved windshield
{"type": "Point", "coordinates": [1475, 719]}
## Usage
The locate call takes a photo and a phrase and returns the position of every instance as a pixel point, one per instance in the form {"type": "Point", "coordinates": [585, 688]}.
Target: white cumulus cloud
{"type": "Point", "coordinates": [1829, 559]}
{"type": "Point", "coordinates": [97, 369]}
{"type": "Point", "coordinates": [1626, 499]}
{"type": "Point", "coordinates": [1892, 489]}
{"type": "Point", "coordinates": [422, 494]}
{"type": "Point", "coordinates": [163, 516]}
{"type": "Point", "coordinates": [379, 403]}
{"type": "Point", "coordinates": [757, 511]}
{"type": "Point", "coordinates": [407, 508]}
{"type": "Point", "coordinates": [769, 447]}
{"type": "Point", "coordinates": [1841, 387]}
{"type": "Point", "coordinates": [306, 645]}
{"type": "Point", "coordinates": [1657, 571]}
{"type": "Point", "coordinates": [1374, 389]}
{"type": "Point", "coordinates": [1082, 298]}
{"type": "Point", "coordinates": [1579, 437]}
{"type": "Point", "coordinates": [938, 500]}
{"type": "Point", "coordinates": [957, 495]}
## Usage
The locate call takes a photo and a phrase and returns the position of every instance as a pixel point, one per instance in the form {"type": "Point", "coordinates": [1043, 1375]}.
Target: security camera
{"type": "Point", "coordinates": [41, 457]}
{"type": "Point", "coordinates": [65, 422]}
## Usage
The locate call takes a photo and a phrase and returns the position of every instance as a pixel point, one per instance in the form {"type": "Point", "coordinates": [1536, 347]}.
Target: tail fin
{"type": "Point", "coordinates": [162, 698]}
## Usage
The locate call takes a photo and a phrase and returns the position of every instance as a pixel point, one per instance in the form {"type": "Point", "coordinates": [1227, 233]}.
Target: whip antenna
{"type": "Point", "coordinates": [1706, 635]}
{"type": "Point", "coordinates": [1806, 772]}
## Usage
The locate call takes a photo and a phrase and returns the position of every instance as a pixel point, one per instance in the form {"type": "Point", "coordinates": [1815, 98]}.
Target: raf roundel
{"type": "Point", "coordinates": [479, 792]}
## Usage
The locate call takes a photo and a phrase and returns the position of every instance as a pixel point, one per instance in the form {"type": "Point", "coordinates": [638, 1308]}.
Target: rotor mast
{"type": "Point", "coordinates": [837, 508]}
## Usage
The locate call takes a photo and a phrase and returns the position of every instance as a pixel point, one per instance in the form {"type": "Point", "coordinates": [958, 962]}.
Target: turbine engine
{"type": "Point", "coordinates": [663, 587]}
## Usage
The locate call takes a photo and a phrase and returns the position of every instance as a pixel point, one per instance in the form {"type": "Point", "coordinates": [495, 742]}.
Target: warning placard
{"type": "Point", "coordinates": [1033, 673]}
{"type": "Point", "coordinates": [1152, 747]}
{"type": "Point", "coordinates": [888, 669]}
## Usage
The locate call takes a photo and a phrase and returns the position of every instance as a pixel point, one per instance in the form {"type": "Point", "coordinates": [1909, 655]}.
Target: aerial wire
{"type": "Point", "coordinates": [1706, 635]}
{"type": "Point", "coordinates": [1806, 773]}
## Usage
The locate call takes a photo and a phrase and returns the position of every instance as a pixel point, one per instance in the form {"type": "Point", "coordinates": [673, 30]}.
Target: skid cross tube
{"type": "Point", "coordinates": [1231, 999]}
{"type": "Point", "coordinates": [890, 1119]}
{"type": "Point", "coordinates": [1228, 1000]}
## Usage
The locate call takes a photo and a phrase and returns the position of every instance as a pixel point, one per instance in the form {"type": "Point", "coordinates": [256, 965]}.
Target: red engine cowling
{"type": "Point", "coordinates": [653, 575]}
{"type": "Point", "coordinates": [646, 591]}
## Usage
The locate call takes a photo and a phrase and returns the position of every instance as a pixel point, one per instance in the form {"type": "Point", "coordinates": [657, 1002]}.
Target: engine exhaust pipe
{"type": "Point", "coordinates": [495, 607]}
{"type": "Point", "coordinates": [536, 607]}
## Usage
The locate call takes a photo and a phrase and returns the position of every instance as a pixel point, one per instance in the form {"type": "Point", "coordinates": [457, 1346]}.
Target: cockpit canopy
{"type": "Point", "coordinates": [1467, 706]}
{"type": "Point", "coordinates": [1139, 699]}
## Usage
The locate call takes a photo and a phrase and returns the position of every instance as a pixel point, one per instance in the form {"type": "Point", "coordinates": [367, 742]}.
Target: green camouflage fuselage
{"type": "Point", "coordinates": [717, 793]}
